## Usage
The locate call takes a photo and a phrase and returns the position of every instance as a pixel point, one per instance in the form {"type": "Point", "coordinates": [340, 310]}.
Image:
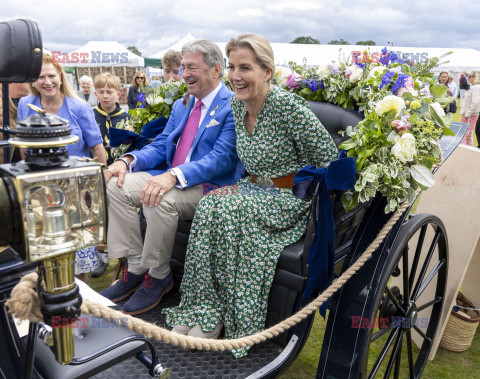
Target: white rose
{"type": "Point", "coordinates": [325, 72]}
{"type": "Point", "coordinates": [154, 100]}
{"type": "Point", "coordinates": [376, 71]}
{"type": "Point", "coordinates": [438, 109]}
{"type": "Point", "coordinates": [388, 103]}
{"type": "Point", "coordinates": [404, 147]}
{"type": "Point", "coordinates": [356, 75]}
{"type": "Point", "coordinates": [281, 75]}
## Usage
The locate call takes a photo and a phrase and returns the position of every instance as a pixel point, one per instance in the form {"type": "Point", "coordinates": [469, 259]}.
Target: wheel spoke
{"type": "Point", "coordinates": [383, 353]}
{"type": "Point", "coordinates": [429, 304]}
{"type": "Point", "coordinates": [424, 336]}
{"type": "Point", "coordinates": [395, 352]}
{"type": "Point", "coordinates": [396, 374]}
{"type": "Point", "coordinates": [426, 263]}
{"type": "Point", "coordinates": [410, 353]}
{"type": "Point", "coordinates": [418, 251]}
{"type": "Point", "coordinates": [393, 298]}
{"type": "Point", "coordinates": [406, 286]}
{"type": "Point", "coordinates": [381, 333]}
{"type": "Point", "coordinates": [430, 277]}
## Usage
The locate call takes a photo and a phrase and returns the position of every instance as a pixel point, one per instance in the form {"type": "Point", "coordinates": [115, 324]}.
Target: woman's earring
{"type": "Point", "coordinates": [33, 85]}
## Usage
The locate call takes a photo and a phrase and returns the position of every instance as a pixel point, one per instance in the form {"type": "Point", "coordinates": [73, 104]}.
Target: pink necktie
{"type": "Point", "coordinates": [188, 135]}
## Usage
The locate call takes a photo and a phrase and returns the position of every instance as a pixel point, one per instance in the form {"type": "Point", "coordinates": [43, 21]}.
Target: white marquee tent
{"type": "Point", "coordinates": [177, 46]}
{"type": "Point", "coordinates": [461, 60]}
{"type": "Point", "coordinates": [101, 53]}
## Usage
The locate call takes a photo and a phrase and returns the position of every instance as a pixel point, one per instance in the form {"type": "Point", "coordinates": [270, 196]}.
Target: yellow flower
{"type": "Point", "coordinates": [389, 103]}
{"type": "Point", "coordinates": [415, 105]}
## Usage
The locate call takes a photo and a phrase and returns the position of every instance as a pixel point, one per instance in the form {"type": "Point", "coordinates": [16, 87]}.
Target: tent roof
{"type": "Point", "coordinates": [103, 53]}
{"type": "Point", "coordinates": [318, 55]}
{"type": "Point", "coordinates": [177, 46]}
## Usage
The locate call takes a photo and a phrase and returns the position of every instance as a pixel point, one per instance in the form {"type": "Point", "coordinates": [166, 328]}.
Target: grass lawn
{"type": "Point", "coordinates": [446, 364]}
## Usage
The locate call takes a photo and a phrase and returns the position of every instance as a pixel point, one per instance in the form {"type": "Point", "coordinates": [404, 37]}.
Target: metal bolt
{"type": "Point", "coordinates": [161, 372]}
{"type": "Point", "coordinates": [45, 334]}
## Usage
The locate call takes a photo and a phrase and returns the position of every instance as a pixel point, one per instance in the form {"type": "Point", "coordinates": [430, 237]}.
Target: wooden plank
{"type": "Point", "coordinates": [454, 199]}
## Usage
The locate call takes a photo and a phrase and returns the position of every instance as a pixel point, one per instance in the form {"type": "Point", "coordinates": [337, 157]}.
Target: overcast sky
{"type": "Point", "coordinates": [154, 25]}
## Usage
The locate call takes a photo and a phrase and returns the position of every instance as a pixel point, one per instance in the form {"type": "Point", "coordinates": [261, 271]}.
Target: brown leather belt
{"type": "Point", "coordinates": [282, 182]}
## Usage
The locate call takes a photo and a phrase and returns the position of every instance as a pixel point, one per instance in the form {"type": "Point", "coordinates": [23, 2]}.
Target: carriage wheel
{"type": "Point", "coordinates": [408, 305]}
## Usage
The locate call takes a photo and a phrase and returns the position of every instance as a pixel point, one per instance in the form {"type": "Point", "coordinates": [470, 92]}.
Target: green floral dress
{"type": "Point", "coordinates": [239, 231]}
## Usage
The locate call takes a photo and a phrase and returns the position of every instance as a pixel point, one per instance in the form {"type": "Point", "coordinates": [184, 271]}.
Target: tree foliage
{"type": "Point", "coordinates": [340, 41]}
{"type": "Point", "coordinates": [366, 43]}
{"type": "Point", "coordinates": [306, 40]}
{"type": "Point", "coordinates": [134, 50]}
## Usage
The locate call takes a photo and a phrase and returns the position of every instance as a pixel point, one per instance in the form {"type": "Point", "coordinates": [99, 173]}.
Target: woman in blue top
{"type": "Point", "coordinates": [52, 92]}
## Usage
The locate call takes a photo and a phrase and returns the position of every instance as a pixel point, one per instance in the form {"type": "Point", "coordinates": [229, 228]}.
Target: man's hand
{"type": "Point", "coordinates": [155, 188]}
{"type": "Point", "coordinates": [118, 168]}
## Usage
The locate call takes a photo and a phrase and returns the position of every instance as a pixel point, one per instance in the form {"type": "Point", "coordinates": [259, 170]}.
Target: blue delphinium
{"type": "Point", "coordinates": [305, 81]}
{"type": "Point", "coordinates": [321, 85]}
{"type": "Point", "coordinates": [384, 50]}
{"type": "Point", "coordinates": [141, 100]}
{"type": "Point", "coordinates": [384, 59]}
{"type": "Point", "coordinates": [313, 85]}
{"type": "Point", "coordinates": [180, 72]}
{"type": "Point", "coordinates": [386, 78]}
{"type": "Point", "coordinates": [399, 83]}
{"type": "Point", "coordinates": [362, 65]}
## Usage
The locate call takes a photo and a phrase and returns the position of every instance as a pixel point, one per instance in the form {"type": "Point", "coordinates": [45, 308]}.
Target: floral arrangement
{"type": "Point", "coordinates": [395, 145]}
{"type": "Point", "coordinates": [153, 104]}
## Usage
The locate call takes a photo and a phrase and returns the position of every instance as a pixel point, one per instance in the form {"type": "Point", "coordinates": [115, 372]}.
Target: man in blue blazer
{"type": "Point", "coordinates": [168, 177]}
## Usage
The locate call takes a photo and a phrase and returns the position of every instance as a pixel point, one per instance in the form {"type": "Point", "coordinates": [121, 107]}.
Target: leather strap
{"type": "Point", "coordinates": [282, 182]}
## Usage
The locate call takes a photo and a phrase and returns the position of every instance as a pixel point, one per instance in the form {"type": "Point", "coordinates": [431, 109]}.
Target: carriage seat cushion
{"type": "Point", "coordinates": [335, 119]}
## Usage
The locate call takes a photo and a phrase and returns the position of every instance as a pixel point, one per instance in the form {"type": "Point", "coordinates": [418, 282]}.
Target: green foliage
{"type": "Point", "coordinates": [395, 146]}
{"type": "Point", "coordinates": [158, 103]}
{"type": "Point", "coordinates": [134, 50]}
{"type": "Point", "coordinates": [366, 43]}
{"type": "Point", "coordinates": [340, 41]}
{"type": "Point", "coordinates": [306, 40]}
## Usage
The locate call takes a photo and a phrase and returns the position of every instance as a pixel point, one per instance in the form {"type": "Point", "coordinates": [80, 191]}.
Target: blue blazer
{"type": "Point", "coordinates": [214, 157]}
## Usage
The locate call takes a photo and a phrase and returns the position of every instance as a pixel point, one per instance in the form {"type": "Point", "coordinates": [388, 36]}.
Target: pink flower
{"type": "Point", "coordinates": [292, 81]}
{"type": "Point", "coordinates": [400, 126]}
{"type": "Point", "coordinates": [408, 83]}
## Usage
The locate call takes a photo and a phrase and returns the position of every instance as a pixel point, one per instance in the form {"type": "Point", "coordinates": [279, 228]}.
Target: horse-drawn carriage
{"type": "Point", "coordinates": [395, 299]}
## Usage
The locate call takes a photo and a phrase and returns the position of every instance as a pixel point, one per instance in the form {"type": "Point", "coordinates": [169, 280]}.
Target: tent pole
{"type": "Point", "coordinates": [76, 79]}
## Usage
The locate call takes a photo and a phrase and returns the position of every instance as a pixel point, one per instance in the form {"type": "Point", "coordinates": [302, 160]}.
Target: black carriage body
{"type": "Point", "coordinates": [343, 346]}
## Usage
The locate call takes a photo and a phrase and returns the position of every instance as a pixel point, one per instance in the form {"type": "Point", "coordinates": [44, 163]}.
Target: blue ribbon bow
{"type": "Point", "coordinates": [339, 175]}
{"type": "Point", "coordinates": [119, 137]}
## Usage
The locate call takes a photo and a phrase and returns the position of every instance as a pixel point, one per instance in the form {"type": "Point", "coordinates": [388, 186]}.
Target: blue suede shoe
{"type": "Point", "coordinates": [148, 295]}
{"type": "Point", "coordinates": [127, 285]}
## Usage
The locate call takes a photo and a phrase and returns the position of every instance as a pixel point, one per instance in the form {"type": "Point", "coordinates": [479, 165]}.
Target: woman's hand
{"type": "Point", "coordinates": [156, 188]}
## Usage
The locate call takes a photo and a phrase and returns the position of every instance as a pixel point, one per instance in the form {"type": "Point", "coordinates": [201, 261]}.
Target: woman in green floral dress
{"type": "Point", "coordinates": [239, 231]}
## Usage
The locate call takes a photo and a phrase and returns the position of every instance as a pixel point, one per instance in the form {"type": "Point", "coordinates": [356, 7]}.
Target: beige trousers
{"type": "Point", "coordinates": [123, 236]}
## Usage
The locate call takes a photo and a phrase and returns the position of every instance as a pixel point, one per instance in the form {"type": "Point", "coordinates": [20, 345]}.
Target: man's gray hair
{"type": "Point", "coordinates": [210, 50]}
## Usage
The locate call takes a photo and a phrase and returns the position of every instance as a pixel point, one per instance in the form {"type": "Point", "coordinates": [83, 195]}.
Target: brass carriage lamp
{"type": "Point", "coordinates": [53, 205]}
